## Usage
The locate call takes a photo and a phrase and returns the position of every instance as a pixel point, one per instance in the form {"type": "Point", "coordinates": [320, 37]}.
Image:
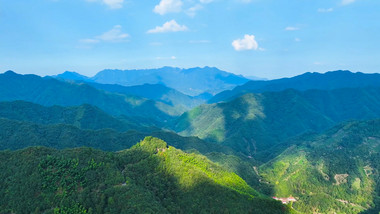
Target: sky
{"type": "Point", "coordinates": [262, 38]}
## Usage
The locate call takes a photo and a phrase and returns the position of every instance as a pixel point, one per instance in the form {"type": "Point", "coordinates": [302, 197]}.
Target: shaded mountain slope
{"type": "Point", "coordinates": [83, 117]}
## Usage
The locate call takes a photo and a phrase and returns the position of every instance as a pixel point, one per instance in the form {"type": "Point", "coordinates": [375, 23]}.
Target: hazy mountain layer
{"type": "Point", "coordinates": [49, 91]}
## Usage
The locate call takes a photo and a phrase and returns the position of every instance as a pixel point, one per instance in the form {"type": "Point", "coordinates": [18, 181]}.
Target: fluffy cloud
{"type": "Point", "coordinates": [291, 28]}
{"type": "Point", "coordinates": [113, 4]}
{"type": "Point", "coordinates": [168, 6]}
{"type": "Point", "coordinates": [247, 43]}
{"type": "Point", "coordinates": [346, 2]}
{"type": "Point", "coordinates": [170, 26]}
{"type": "Point", "coordinates": [113, 35]}
{"type": "Point", "coordinates": [325, 10]}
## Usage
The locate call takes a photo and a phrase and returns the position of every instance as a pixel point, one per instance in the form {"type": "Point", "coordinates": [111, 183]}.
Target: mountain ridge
{"type": "Point", "coordinates": [307, 81]}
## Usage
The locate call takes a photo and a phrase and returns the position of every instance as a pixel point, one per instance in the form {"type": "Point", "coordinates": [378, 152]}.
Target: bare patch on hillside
{"type": "Point", "coordinates": [340, 179]}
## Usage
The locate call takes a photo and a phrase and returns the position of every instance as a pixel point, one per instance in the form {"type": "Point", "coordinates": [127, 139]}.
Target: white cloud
{"type": "Point", "coordinates": [245, 1]}
{"type": "Point", "coordinates": [168, 6]}
{"type": "Point", "coordinates": [113, 4]}
{"type": "Point", "coordinates": [297, 39]}
{"type": "Point", "coordinates": [247, 43]}
{"type": "Point", "coordinates": [114, 35]}
{"type": "Point", "coordinates": [291, 28]}
{"type": "Point", "coordinates": [170, 26]}
{"type": "Point", "coordinates": [89, 41]}
{"type": "Point", "coordinates": [325, 10]}
{"type": "Point", "coordinates": [205, 1]}
{"type": "Point", "coordinates": [193, 10]}
{"type": "Point", "coordinates": [166, 58]}
{"type": "Point", "coordinates": [346, 2]}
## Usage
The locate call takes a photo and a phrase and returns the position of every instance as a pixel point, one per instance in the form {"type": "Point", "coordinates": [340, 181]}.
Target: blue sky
{"type": "Point", "coordinates": [265, 38]}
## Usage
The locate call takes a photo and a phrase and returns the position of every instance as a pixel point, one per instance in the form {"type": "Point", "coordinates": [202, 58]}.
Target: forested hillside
{"type": "Point", "coordinates": [334, 172]}
{"type": "Point", "coordinates": [148, 178]}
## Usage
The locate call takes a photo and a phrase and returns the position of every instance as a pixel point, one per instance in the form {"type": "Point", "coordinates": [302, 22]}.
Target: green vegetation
{"type": "Point", "coordinates": [148, 178]}
{"type": "Point", "coordinates": [334, 172]}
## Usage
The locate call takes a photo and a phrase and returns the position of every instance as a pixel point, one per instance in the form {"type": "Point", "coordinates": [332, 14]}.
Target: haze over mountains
{"type": "Point", "coordinates": [314, 137]}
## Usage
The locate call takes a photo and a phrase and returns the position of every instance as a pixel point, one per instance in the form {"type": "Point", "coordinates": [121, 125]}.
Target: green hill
{"type": "Point", "coordinates": [334, 172]}
{"type": "Point", "coordinates": [148, 178]}
{"type": "Point", "coordinates": [254, 124]}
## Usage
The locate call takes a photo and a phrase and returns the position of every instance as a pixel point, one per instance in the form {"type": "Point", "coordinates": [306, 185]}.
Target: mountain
{"type": "Point", "coordinates": [333, 172]}
{"type": "Point", "coordinates": [255, 124]}
{"type": "Point", "coordinates": [83, 117]}
{"type": "Point", "coordinates": [327, 81]}
{"type": "Point", "coordinates": [70, 75]}
{"type": "Point", "coordinates": [192, 81]}
{"type": "Point", "coordinates": [49, 91]}
{"type": "Point", "coordinates": [148, 178]}
{"type": "Point", "coordinates": [25, 124]}
{"type": "Point", "coordinates": [157, 92]}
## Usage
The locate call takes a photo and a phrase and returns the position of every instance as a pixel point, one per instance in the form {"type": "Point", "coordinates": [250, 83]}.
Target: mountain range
{"type": "Point", "coordinates": [192, 81]}
{"type": "Point", "coordinates": [69, 143]}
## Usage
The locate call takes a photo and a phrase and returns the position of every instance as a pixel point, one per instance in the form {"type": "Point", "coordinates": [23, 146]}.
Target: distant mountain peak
{"type": "Point", "coordinates": [9, 72]}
